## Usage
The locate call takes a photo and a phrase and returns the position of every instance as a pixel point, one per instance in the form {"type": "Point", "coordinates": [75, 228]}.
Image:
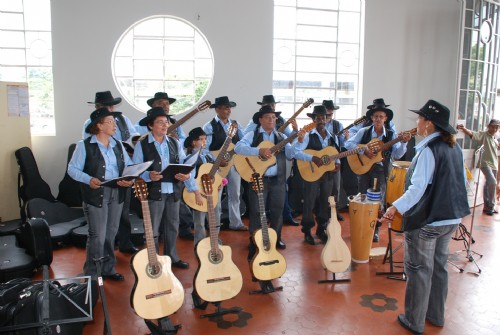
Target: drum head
{"type": "Point", "coordinates": [401, 164]}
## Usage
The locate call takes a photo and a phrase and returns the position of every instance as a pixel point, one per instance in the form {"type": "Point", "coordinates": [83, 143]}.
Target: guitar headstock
{"type": "Point", "coordinates": [331, 201]}
{"type": "Point", "coordinates": [233, 128]}
{"type": "Point", "coordinates": [141, 189]}
{"type": "Point", "coordinates": [308, 103]}
{"type": "Point", "coordinates": [204, 105]}
{"type": "Point", "coordinates": [206, 181]}
{"type": "Point", "coordinates": [360, 120]}
{"type": "Point", "coordinates": [257, 183]}
{"type": "Point", "coordinates": [413, 131]}
{"type": "Point", "coordinates": [309, 127]}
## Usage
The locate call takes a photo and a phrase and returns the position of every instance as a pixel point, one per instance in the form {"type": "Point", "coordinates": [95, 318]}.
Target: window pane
{"type": "Point", "coordinates": [349, 5]}
{"type": "Point", "coordinates": [179, 49]}
{"type": "Point", "coordinates": [348, 59]}
{"type": "Point", "coordinates": [150, 27]}
{"type": "Point", "coordinates": [39, 47]}
{"type": "Point", "coordinates": [314, 17]}
{"type": "Point", "coordinates": [315, 64]}
{"type": "Point", "coordinates": [179, 70]}
{"type": "Point", "coordinates": [148, 49]}
{"type": "Point", "coordinates": [319, 4]}
{"type": "Point", "coordinates": [178, 28]}
{"type": "Point", "coordinates": [12, 57]}
{"type": "Point", "coordinates": [313, 33]}
{"type": "Point", "coordinates": [37, 15]}
{"type": "Point", "coordinates": [12, 39]}
{"type": "Point", "coordinates": [123, 67]}
{"type": "Point", "coordinates": [148, 69]}
{"type": "Point", "coordinates": [12, 73]}
{"type": "Point", "coordinates": [11, 21]}
{"type": "Point", "coordinates": [284, 22]}
{"type": "Point", "coordinates": [11, 5]}
{"type": "Point", "coordinates": [348, 27]}
{"type": "Point", "coordinates": [316, 48]}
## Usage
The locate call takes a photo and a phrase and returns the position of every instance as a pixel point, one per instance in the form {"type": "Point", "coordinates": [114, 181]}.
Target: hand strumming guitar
{"type": "Point", "coordinates": [317, 161]}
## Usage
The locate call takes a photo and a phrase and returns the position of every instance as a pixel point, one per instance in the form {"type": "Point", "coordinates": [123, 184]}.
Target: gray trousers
{"type": "Point", "coordinates": [103, 225]}
{"type": "Point", "coordinates": [166, 211]}
{"type": "Point", "coordinates": [233, 197]}
{"type": "Point", "coordinates": [489, 189]}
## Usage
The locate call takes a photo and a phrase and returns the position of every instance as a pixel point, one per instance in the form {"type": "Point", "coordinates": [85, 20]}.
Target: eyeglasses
{"type": "Point", "coordinates": [378, 116]}
{"type": "Point", "coordinates": [162, 123]}
{"type": "Point", "coordinates": [269, 117]}
{"type": "Point", "coordinates": [109, 122]}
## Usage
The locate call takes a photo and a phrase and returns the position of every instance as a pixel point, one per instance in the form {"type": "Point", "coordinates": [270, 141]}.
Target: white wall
{"type": "Point", "coordinates": [410, 55]}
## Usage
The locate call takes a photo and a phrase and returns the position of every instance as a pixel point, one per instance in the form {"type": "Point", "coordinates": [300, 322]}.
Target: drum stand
{"type": "Point", "coordinates": [200, 304]}
{"type": "Point", "coordinates": [389, 253]}
{"type": "Point", "coordinates": [266, 287]}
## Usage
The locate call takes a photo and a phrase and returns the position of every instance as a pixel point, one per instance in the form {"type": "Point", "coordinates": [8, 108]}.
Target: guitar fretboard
{"type": "Point", "coordinates": [212, 226]}
{"type": "Point", "coordinates": [263, 219]}
{"type": "Point", "coordinates": [148, 232]}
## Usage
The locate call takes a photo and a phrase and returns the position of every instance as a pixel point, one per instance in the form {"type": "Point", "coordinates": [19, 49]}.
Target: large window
{"type": "Point", "coordinates": [26, 56]}
{"type": "Point", "coordinates": [318, 54]}
{"type": "Point", "coordinates": [163, 54]}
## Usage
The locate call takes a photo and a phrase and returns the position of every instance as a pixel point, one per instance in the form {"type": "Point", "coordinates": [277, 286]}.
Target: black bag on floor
{"type": "Point", "coordinates": [69, 189]}
{"type": "Point", "coordinates": [35, 237]}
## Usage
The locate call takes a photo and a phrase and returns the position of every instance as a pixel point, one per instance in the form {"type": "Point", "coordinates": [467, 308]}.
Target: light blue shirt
{"type": "Point", "coordinates": [420, 179]}
{"type": "Point", "coordinates": [244, 147]}
{"type": "Point", "coordinates": [300, 147]}
{"type": "Point", "coordinates": [162, 149]}
{"type": "Point", "coordinates": [77, 162]}
{"type": "Point", "coordinates": [397, 150]}
{"type": "Point", "coordinates": [207, 128]}
{"type": "Point", "coordinates": [118, 134]}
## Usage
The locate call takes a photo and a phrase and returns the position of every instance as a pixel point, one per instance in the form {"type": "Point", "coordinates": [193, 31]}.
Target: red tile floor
{"type": "Point", "coordinates": [368, 304]}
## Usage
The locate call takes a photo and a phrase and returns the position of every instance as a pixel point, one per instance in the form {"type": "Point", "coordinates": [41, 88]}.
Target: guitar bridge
{"type": "Point", "coordinates": [158, 294]}
{"type": "Point", "coordinates": [275, 261]}
{"type": "Point", "coordinates": [216, 280]}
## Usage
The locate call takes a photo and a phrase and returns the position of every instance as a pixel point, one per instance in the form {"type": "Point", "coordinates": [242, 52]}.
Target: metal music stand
{"type": "Point", "coordinates": [389, 253]}
{"type": "Point", "coordinates": [462, 234]}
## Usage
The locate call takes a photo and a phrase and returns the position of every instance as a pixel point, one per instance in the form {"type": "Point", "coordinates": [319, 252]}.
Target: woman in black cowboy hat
{"type": "Point", "coordinates": [434, 203]}
{"type": "Point", "coordinates": [97, 158]}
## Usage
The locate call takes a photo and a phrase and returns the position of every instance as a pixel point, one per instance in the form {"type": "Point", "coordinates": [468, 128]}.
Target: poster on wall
{"type": "Point", "coordinates": [17, 100]}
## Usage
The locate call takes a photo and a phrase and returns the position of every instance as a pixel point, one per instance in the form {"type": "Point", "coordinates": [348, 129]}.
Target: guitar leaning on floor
{"type": "Point", "coordinates": [259, 163]}
{"type": "Point", "coordinates": [361, 164]}
{"type": "Point", "coordinates": [157, 293]}
{"type": "Point", "coordinates": [211, 170]}
{"type": "Point", "coordinates": [268, 263]}
{"type": "Point", "coordinates": [310, 172]}
{"type": "Point", "coordinates": [336, 256]}
{"type": "Point", "coordinates": [217, 277]}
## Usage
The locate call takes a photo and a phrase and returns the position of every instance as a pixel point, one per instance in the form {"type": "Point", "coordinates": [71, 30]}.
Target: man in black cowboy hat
{"type": "Point", "coordinates": [274, 178]}
{"type": "Point", "coordinates": [216, 131]}
{"type": "Point", "coordinates": [161, 99]}
{"type": "Point", "coordinates": [488, 163]}
{"type": "Point", "coordinates": [164, 195]}
{"type": "Point", "coordinates": [433, 205]}
{"type": "Point", "coordinates": [376, 103]}
{"type": "Point", "coordinates": [317, 139]}
{"type": "Point", "coordinates": [124, 132]}
{"type": "Point", "coordinates": [380, 116]}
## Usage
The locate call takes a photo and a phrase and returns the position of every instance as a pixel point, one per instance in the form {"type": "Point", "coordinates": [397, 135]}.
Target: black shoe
{"type": "Point", "coordinates": [404, 323]}
{"type": "Point", "coordinates": [188, 236]}
{"type": "Point", "coordinates": [131, 250]}
{"type": "Point", "coordinates": [180, 264]}
{"type": "Point", "coordinates": [340, 217]}
{"type": "Point", "coordinates": [489, 212]}
{"type": "Point", "coordinates": [322, 235]}
{"type": "Point", "coordinates": [115, 277]}
{"type": "Point", "coordinates": [308, 238]}
{"type": "Point", "coordinates": [280, 245]}
{"type": "Point", "coordinates": [291, 222]}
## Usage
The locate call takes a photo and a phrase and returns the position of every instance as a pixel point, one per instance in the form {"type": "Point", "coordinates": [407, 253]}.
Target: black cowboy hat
{"type": "Point", "coordinates": [266, 109]}
{"type": "Point", "coordinates": [437, 114]}
{"type": "Point", "coordinates": [152, 114]}
{"type": "Point", "coordinates": [329, 104]}
{"type": "Point", "coordinates": [193, 135]}
{"type": "Point", "coordinates": [223, 101]}
{"type": "Point", "coordinates": [158, 96]}
{"type": "Point", "coordinates": [268, 99]}
{"type": "Point", "coordinates": [318, 110]}
{"type": "Point", "coordinates": [377, 103]}
{"type": "Point", "coordinates": [98, 115]}
{"type": "Point", "coordinates": [106, 99]}
{"type": "Point", "coordinates": [380, 108]}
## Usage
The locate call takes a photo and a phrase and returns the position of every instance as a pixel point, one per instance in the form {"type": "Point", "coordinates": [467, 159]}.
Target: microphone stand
{"type": "Point", "coordinates": [462, 234]}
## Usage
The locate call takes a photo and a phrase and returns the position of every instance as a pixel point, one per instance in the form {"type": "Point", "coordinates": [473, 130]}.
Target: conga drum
{"type": "Point", "coordinates": [395, 189]}
{"type": "Point", "coordinates": [363, 218]}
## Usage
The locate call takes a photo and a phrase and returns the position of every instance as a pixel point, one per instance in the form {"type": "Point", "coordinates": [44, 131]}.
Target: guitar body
{"type": "Point", "coordinates": [360, 163]}
{"type": "Point", "coordinates": [260, 165]}
{"type": "Point", "coordinates": [267, 264]}
{"type": "Point", "coordinates": [311, 172]}
{"type": "Point", "coordinates": [336, 256]}
{"type": "Point", "coordinates": [154, 297]}
{"type": "Point", "coordinates": [224, 170]}
{"type": "Point", "coordinates": [189, 197]}
{"type": "Point", "coordinates": [216, 281]}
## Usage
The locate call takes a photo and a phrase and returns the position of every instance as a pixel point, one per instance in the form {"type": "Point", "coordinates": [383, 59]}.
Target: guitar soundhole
{"type": "Point", "coordinates": [153, 271]}
{"type": "Point", "coordinates": [226, 156]}
{"type": "Point", "coordinates": [325, 160]}
{"type": "Point", "coordinates": [215, 257]}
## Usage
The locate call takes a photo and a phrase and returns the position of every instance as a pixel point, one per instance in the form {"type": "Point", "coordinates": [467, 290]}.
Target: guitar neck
{"type": "Point", "coordinates": [212, 225]}
{"type": "Point", "coordinates": [181, 121]}
{"type": "Point", "coordinates": [347, 153]}
{"type": "Point", "coordinates": [389, 144]}
{"type": "Point", "coordinates": [355, 123]}
{"type": "Point", "coordinates": [148, 232]}
{"type": "Point", "coordinates": [283, 127]}
{"type": "Point", "coordinates": [220, 157]}
{"type": "Point", "coordinates": [276, 148]}
{"type": "Point", "coordinates": [263, 218]}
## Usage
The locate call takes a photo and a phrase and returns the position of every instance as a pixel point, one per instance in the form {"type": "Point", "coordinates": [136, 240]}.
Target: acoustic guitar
{"type": "Point", "coordinates": [157, 293]}
{"type": "Point", "coordinates": [355, 123]}
{"type": "Point", "coordinates": [306, 104]}
{"type": "Point", "coordinates": [335, 256]}
{"type": "Point", "coordinates": [217, 277]}
{"type": "Point", "coordinates": [310, 172]}
{"type": "Point", "coordinates": [211, 170]}
{"type": "Point", "coordinates": [259, 163]}
{"type": "Point", "coordinates": [227, 156]}
{"type": "Point", "coordinates": [171, 130]}
{"type": "Point", "coordinates": [361, 164]}
{"type": "Point", "coordinates": [268, 263]}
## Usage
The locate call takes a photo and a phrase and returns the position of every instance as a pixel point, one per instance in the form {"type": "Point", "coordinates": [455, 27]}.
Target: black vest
{"type": "Point", "coordinates": [95, 167]}
{"type": "Point", "coordinates": [446, 197]}
{"type": "Point", "coordinates": [122, 125]}
{"type": "Point", "coordinates": [280, 156]}
{"type": "Point", "coordinates": [315, 144]}
{"type": "Point", "coordinates": [219, 136]}
{"type": "Point", "coordinates": [150, 153]}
